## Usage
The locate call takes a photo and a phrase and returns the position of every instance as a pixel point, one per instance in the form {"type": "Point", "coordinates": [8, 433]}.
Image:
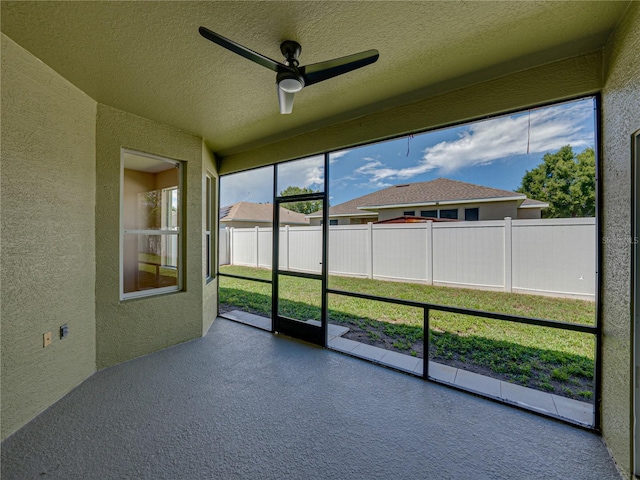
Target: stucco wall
{"type": "Point", "coordinates": [210, 287]}
{"type": "Point", "coordinates": [621, 114]}
{"type": "Point", "coordinates": [47, 236]}
{"type": "Point", "coordinates": [130, 328]}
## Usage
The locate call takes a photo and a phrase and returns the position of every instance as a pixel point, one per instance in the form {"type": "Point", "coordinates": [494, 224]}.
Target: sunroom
{"type": "Point", "coordinates": [120, 124]}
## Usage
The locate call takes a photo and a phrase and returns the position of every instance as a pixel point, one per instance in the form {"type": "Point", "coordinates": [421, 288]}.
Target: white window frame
{"type": "Point", "coordinates": [178, 233]}
{"type": "Point", "coordinates": [209, 227]}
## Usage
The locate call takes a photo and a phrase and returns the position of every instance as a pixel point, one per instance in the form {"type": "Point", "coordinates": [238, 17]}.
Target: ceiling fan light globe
{"type": "Point", "coordinates": [290, 85]}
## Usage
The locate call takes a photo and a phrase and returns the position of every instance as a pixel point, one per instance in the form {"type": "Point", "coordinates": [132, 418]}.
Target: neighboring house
{"type": "Point", "coordinates": [247, 214]}
{"type": "Point", "coordinates": [441, 198]}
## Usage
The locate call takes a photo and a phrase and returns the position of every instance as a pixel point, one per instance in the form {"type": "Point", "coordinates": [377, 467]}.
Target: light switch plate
{"type": "Point", "coordinates": [47, 339]}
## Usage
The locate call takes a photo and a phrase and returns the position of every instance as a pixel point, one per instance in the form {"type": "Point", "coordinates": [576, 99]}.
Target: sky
{"type": "Point", "coordinates": [494, 153]}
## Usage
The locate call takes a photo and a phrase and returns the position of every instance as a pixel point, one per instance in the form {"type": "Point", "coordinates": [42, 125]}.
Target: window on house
{"type": "Point", "coordinates": [429, 213]}
{"type": "Point", "coordinates": [409, 213]}
{"type": "Point", "coordinates": [209, 222]}
{"type": "Point", "coordinates": [471, 214]}
{"type": "Point", "coordinates": [452, 213]}
{"type": "Point", "coordinates": [150, 218]}
{"type": "Point", "coordinates": [333, 222]}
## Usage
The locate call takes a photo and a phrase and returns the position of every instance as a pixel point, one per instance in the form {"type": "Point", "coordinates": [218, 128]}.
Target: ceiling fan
{"type": "Point", "coordinates": [290, 78]}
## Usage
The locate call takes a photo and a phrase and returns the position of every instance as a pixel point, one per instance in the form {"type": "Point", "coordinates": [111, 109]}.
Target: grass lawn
{"type": "Point", "coordinates": [548, 359]}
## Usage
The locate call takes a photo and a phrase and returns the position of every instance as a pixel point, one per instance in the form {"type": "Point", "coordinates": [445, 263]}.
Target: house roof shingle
{"type": "Point", "coordinates": [438, 190]}
{"type": "Point", "coordinates": [260, 213]}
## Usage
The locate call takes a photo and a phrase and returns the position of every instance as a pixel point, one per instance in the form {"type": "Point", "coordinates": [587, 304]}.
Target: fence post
{"type": "Point", "coordinates": [430, 252]}
{"type": "Point", "coordinates": [508, 245]}
{"type": "Point", "coordinates": [370, 250]}
{"type": "Point", "coordinates": [231, 246]}
{"type": "Point", "coordinates": [286, 257]}
{"type": "Point", "coordinates": [257, 246]}
{"type": "Point", "coordinates": [227, 245]}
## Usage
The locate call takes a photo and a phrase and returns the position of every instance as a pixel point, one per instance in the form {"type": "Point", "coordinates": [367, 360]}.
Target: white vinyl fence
{"type": "Point", "coordinates": [555, 257]}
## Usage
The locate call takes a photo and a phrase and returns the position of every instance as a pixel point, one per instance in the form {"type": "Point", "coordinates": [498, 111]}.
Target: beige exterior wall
{"type": "Point", "coordinates": [346, 220]}
{"type": "Point", "coordinates": [48, 255]}
{"type": "Point", "coordinates": [529, 213]}
{"type": "Point", "coordinates": [621, 114]}
{"type": "Point", "coordinates": [494, 211]}
{"type": "Point", "coordinates": [128, 329]}
{"type": "Point", "coordinates": [487, 210]}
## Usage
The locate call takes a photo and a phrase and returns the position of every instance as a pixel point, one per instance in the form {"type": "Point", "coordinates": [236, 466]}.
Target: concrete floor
{"type": "Point", "coordinates": [243, 403]}
{"type": "Point", "coordinates": [580, 413]}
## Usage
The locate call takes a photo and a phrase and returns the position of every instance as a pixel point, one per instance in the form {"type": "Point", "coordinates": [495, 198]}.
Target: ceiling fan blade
{"type": "Point", "coordinates": [286, 101]}
{"type": "Point", "coordinates": [242, 51]}
{"type": "Point", "coordinates": [317, 72]}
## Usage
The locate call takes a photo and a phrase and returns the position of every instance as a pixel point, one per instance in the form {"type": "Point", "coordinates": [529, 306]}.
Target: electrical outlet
{"type": "Point", "coordinates": [46, 339]}
{"type": "Point", "coordinates": [64, 331]}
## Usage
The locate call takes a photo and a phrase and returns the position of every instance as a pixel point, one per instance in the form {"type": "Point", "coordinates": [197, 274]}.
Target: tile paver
{"type": "Point", "coordinates": [528, 397]}
{"type": "Point", "coordinates": [343, 344]}
{"type": "Point", "coordinates": [369, 352]}
{"type": "Point", "coordinates": [444, 373]}
{"type": "Point", "coordinates": [400, 361]}
{"type": "Point", "coordinates": [574, 409]}
{"type": "Point", "coordinates": [337, 330]}
{"type": "Point", "coordinates": [478, 383]}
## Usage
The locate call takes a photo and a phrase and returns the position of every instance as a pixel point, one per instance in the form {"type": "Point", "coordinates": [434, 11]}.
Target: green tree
{"type": "Point", "coordinates": [301, 207]}
{"type": "Point", "coordinates": [564, 180]}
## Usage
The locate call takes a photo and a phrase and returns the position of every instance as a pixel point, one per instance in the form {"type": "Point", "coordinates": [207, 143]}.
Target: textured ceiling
{"type": "Point", "coordinates": [147, 58]}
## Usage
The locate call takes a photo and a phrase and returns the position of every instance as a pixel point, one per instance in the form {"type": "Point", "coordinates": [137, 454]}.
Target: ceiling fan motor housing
{"type": "Point", "coordinates": [289, 81]}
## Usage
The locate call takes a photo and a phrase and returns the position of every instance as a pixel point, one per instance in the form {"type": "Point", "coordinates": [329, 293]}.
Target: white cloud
{"type": "Point", "coordinates": [370, 167]}
{"type": "Point", "coordinates": [333, 157]}
{"type": "Point", "coordinates": [307, 173]}
{"type": "Point", "coordinates": [484, 142]}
